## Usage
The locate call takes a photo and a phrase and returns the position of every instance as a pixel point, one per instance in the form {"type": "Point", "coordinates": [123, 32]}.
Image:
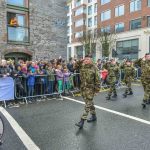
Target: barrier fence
{"type": "Point", "coordinates": [33, 87]}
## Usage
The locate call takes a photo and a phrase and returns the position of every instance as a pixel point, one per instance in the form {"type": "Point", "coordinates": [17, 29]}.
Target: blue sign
{"type": "Point", "coordinates": [6, 89]}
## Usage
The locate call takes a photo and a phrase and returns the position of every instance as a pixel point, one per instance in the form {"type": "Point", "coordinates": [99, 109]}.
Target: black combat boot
{"type": "Point", "coordinates": [80, 124]}
{"type": "Point", "coordinates": [144, 104]}
{"type": "Point", "coordinates": [130, 93]}
{"type": "Point", "coordinates": [92, 118]}
{"type": "Point", "coordinates": [115, 95]}
{"type": "Point", "coordinates": [108, 97]}
{"type": "Point", "coordinates": [124, 95]}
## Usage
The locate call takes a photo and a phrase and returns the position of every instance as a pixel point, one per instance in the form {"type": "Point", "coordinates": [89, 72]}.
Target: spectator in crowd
{"type": "Point", "coordinates": [30, 83]}
{"type": "Point", "coordinates": [66, 75]}
{"type": "Point", "coordinates": [70, 65]}
{"type": "Point", "coordinates": [51, 78]}
{"type": "Point", "coordinates": [59, 78]}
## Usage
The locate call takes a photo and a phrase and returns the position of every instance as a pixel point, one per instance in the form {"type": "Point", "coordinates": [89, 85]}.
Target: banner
{"type": "Point", "coordinates": [6, 89]}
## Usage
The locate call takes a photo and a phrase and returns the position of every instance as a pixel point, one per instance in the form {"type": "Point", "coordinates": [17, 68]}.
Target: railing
{"type": "Point", "coordinates": [42, 87]}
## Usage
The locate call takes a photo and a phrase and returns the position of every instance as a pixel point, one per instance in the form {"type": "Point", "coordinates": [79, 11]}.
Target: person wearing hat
{"type": "Point", "coordinates": [144, 63]}
{"type": "Point", "coordinates": [90, 84]}
{"type": "Point", "coordinates": [129, 74]}
{"type": "Point", "coordinates": [113, 75]}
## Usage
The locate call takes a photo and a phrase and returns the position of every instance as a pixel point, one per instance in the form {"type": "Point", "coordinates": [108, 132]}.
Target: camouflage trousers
{"type": "Point", "coordinates": [128, 82]}
{"type": "Point", "coordinates": [146, 86]}
{"type": "Point", "coordinates": [88, 95]}
{"type": "Point", "coordinates": [143, 81]}
{"type": "Point", "coordinates": [112, 86]}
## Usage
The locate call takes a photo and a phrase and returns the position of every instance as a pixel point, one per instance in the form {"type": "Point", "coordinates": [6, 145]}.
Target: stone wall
{"type": "Point", "coordinates": [48, 30]}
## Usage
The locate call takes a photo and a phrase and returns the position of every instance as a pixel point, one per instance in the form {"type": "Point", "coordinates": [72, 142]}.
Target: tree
{"type": "Point", "coordinates": [107, 41]}
{"type": "Point", "coordinates": [88, 40]}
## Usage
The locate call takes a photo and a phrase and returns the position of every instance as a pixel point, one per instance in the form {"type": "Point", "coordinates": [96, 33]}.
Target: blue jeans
{"type": "Point", "coordinates": [30, 90]}
{"type": "Point", "coordinates": [50, 87]}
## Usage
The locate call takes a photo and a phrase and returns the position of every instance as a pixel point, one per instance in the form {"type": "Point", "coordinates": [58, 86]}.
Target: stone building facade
{"type": "Point", "coordinates": [40, 32]}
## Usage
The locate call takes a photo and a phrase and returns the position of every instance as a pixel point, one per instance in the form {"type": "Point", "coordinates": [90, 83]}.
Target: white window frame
{"type": "Point", "coordinates": [103, 2]}
{"type": "Point", "coordinates": [134, 1]}
{"type": "Point", "coordinates": [118, 12]}
{"type": "Point", "coordinates": [104, 15]}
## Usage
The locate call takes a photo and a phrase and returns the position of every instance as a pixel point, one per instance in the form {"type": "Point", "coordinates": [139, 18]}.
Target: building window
{"type": "Point", "coordinates": [128, 49]}
{"type": "Point", "coordinates": [105, 15]}
{"type": "Point", "coordinates": [79, 23]}
{"type": "Point", "coordinates": [148, 21]}
{"type": "Point", "coordinates": [21, 3]}
{"type": "Point", "coordinates": [95, 8]}
{"type": "Point", "coordinates": [18, 26]}
{"type": "Point", "coordinates": [77, 3]}
{"type": "Point", "coordinates": [106, 29]}
{"type": "Point", "coordinates": [89, 22]}
{"type": "Point", "coordinates": [119, 10]}
{"type": "Point", "coordinates": [89, 1]}
{"type": "Point", "coordinates": [78, 34]}
{"type": "Point", "coordinates": [148, 3]}
{"type": "Point", "coordinates": [80, 11]}
{"type": "Point", "coordinates": [135, 5]}
{"type": "Point", "coordinates": [104, 2]}
{"type": "Point", "coordinates": [95, 20]}
{"type": "Point", "coordinates": [90, 10]}
{"type": "Point", "coordinates": [119, 27]}
{"type": "Point", "coordinates": [135, 24]}
{"type": "Point", "coordinates": [79, 52]}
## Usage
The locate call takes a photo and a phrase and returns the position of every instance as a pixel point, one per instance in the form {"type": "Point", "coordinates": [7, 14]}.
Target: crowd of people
{"type": "Point", "coordinates": [46, 77]}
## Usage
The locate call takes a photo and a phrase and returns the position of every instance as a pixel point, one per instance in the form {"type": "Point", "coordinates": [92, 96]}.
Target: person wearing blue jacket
{"type": "Point", "coordinates": [30, 83]}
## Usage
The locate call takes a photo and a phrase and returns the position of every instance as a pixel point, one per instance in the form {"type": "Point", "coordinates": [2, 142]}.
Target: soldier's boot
{"type": "Point", "coordinates": [130, 93]}
{"type": "Point", "coordinates": [80, 124]}
{"type": "Point", "coordinates": [108, 97]}
{"type": "Point", "coordinates": [92, 118]}
{"type": "Point", "coordinates": [149, 102]}
{"type": "Point", "coordinates": [124, 95]}
{"type": "Point", "coordinates": [144, 104]}
{"type": "Point", "coordinates": [115, 95]}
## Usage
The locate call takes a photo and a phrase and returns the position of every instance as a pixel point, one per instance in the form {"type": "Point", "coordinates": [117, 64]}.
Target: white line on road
{"type": "Point", "coordinates": [113, 112]}
{"type": "Point", "coordinates": [29, 144]}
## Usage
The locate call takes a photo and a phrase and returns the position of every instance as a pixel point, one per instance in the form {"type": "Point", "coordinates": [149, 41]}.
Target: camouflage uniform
{"type": "Point", "coordinates": [90, 82]}
{"type": "Point", "coordinates": [129, 74]}
{"type": "Point", "coordinates": [113, 76]}
{"type": "Point", "coordinates": [145, 78]}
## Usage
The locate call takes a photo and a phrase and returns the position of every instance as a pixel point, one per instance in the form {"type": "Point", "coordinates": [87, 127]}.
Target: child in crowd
{"type": "Point", "coordinates": [50, 78]}
{"type": "Point", "coordinates": [30, 82]}
{"type": "Point", "coordinates": [59, 78]}
{"type": "Point", "coordinates": [66, 75]}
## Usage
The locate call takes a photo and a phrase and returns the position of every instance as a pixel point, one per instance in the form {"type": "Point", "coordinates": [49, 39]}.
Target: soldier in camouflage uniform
{"type": "Point", "coordinates": [90, 82]}
{"type": "Point", "coordinates": [113, 76]}
{"type": "Point", "coordinates": [129, 74]}
{"type": "Point", "coordinates": [144, 63]}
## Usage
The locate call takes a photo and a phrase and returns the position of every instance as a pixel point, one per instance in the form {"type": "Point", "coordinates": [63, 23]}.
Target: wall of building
{"type": "Point", "coordinates": [48, 30]}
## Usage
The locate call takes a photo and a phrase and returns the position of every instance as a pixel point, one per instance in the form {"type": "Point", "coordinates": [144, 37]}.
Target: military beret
{"type": "Point", "coordinates": [147, 54]}
{"type": "Point", "coordinates": [88, 56]}
{"type": "Point", "coordinates": [128, 60]}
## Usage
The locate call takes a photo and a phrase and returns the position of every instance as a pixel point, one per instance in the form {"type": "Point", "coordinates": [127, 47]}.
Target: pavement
{"type": "Point", "coordinates": [50, 125]}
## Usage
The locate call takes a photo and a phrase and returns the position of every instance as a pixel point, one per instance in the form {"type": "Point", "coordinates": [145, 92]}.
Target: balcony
{"type": "Point", "coordinates": [18, 34]}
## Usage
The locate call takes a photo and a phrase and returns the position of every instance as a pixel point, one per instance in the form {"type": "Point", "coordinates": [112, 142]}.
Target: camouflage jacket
{"type": "Point", "coordinates": [129, 71]}
{"type": "Point", "coordinates": [145, 67]}
{"type": "Point", "coordinates": [89, 75]}
{"type": "Point", "coordinates": [113, 70]}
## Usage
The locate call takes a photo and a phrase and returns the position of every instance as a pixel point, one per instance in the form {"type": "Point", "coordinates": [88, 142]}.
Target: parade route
{"type": "Point", "coordinates": [122, 125]}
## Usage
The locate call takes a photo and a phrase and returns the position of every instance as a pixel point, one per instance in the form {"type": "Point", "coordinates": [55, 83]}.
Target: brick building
{"type": "Point", "coordinates": [33, 29]}
{"type": "Point", "coordinates": [129, 19]}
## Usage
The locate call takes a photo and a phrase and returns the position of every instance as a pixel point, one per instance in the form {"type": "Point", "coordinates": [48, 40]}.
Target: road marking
{"type": "Point", "coordinates": [113, 112]}
{"type": "Point", "coordinates": [29, 144]}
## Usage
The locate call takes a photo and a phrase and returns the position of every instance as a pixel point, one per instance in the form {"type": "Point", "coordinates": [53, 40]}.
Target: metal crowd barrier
{"type": "Point", "coordinates": [43, 88]}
